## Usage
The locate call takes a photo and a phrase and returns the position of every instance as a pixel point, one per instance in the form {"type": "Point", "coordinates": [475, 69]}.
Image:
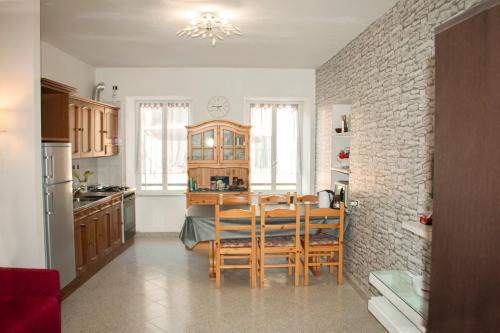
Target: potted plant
{"type": "Point", "coordinates": [82, 184]}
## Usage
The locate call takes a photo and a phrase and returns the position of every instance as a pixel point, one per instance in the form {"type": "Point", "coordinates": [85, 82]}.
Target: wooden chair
{"type": "Point", "coordinates": [322, 245]}
{"type": "Point", "coordinates": [304, 198]}
{"type": "Point", "coordinates": [235, 248]}
{"type": "Point", "coordinates": [237, 200]}
{"type": "Point", "coordinates": [275, 199]}
{"type": "Point", "coordinates": [279, 246]}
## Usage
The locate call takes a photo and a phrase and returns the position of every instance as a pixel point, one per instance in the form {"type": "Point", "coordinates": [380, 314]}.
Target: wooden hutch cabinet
{"type": "Point", "coordinates": [218, 149]}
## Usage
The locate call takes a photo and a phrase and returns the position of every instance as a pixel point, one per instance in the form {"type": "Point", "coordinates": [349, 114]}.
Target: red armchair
{"type": "Point", "coordinates": [29, 301]}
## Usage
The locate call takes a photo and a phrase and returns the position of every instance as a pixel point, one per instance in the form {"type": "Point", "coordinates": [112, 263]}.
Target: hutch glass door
{"type": "Point", "coordinates": [203, 145]}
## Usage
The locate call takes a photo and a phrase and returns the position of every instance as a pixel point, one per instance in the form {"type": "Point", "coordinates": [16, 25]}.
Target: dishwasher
{"type": "Point", "coordinates": [128, 216]}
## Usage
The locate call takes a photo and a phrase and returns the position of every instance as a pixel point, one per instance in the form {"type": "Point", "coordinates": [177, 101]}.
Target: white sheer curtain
{"type": "Point", "coordinates": [162, 145]}
{"type": "Point", "coordinates": [275, 146]}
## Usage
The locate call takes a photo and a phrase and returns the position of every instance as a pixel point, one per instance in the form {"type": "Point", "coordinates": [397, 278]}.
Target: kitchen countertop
{"type": "Point", "coordinates": [86, 202]}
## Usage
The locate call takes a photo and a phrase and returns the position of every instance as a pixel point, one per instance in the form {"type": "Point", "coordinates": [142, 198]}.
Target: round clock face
{"type": "Point", "coordinates": [218, 106]}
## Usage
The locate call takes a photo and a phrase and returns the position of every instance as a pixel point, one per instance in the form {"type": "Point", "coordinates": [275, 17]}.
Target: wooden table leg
{"type": "Point", "coordinates": [211, 255]}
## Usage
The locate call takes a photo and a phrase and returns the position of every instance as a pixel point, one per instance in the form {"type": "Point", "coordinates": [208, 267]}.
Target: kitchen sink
{"type": "Point", "coordinates": [87, 199]}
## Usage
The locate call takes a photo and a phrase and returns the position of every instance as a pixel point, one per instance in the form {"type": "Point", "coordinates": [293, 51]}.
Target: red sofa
{"type": "Point", "coordinates": [29, 301]}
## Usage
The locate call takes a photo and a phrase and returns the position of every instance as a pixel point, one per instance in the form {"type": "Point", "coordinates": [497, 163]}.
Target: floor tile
{"type": "Point", "coordinates": [159, 286]}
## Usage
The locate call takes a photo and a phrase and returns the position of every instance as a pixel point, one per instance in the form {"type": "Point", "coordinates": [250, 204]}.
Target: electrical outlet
{"type": "Point", "coordinates": [355, 203]}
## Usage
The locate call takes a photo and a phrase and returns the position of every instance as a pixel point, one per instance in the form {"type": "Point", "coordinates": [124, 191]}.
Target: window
{"type": "Point", "coordinates": [275, 146]}
{"type": "Point", "coordinates": [162, 146]}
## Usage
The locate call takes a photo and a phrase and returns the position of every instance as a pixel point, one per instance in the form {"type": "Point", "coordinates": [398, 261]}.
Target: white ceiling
{"type": "Point", "coordinates": [142, 33]}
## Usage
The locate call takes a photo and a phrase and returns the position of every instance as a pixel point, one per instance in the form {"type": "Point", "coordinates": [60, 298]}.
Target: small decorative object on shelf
{"type": "Point", "coordinates": [343, 154]}
{"type": "Point", "coordinates": [338, 130]}
{"type": "Point", "coordinates": [426, 218]}
{"type": "Point", "coordinates": [345, 127]}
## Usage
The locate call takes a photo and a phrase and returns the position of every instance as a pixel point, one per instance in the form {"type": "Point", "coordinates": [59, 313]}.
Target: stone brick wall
{"type": "Point", "coordinates": [387, 74]}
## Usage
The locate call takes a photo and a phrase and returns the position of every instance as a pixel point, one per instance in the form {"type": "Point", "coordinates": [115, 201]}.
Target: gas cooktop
{"type": "Point", "coordinates": [105, 188]}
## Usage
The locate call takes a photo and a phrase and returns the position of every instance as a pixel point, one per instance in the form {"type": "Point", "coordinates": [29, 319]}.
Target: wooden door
{"type": "Point", "coordinates": [86, 129]}
{"type": "Point", "coordinates": [74, 129]}
{"type": "Point", "coordinates": [92, 226]}
{"type": "Point", "coordinates": [233, 146]}
{"type": "Point", "coordinates": [465, 272]}
{"type": "Point", "coordinates": [99, 130]}
{"type": "Point", "coordinates": [203, 145]}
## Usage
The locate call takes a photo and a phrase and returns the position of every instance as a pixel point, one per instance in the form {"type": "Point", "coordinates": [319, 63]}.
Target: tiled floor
{"type": "Point", "coordinates": [159, 286]}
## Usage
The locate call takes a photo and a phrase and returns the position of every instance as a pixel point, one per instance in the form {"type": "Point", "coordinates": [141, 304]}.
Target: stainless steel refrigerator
{"type": "Point", "coordinates": [58, 208]}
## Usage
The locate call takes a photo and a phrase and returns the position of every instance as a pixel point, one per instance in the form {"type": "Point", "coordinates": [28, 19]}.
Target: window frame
{"type": "Point", "coordinates": [275, 102]}
{"type": "Point", "coordinates": [138, 177]}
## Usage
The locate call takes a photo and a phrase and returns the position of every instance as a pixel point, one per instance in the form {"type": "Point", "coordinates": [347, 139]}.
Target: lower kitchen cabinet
{"type": "Point", "coordinates": [98, 232]}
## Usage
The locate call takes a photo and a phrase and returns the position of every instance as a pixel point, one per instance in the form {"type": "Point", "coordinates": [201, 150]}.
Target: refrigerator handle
{"type": "Point", "coordinates": [49, 166]}
{"type": "Point", "coordinates": [46, 162]}
{"type": "Point", "coordinates": [50, 204]}
{"type": "Point", "coordinates": [51, 158]}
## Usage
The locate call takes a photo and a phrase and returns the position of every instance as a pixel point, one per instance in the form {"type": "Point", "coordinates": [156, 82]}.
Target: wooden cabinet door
{"type": "Point", "coordinates": [81, 258]}
{"type": "Point", "coordinates": [111, 132]}
{"type": "Point", "coordinates": [74, 129]}
{"type": "Point", "coordinates": [116, 225]}
{"type": "Point", "coordinates": [203, 145]}
{"type": "Point", "coordinates": [91, 228]}
{"type": "Point", "coordinates": [234, 146]}
{"type": "Point", "coordinates": [86, 128]}
{"type": "Point", "coordinates": [99, 131]}
{"type": "Point", "coordinates": [104, 231]}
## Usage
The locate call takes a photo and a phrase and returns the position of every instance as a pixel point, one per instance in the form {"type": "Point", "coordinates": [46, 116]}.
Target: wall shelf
{"type": "Point", "coordinates": [341, 170]}
{"type": "Point", "coordinates": [419, 229]}
{"type": "Point", "coordinates": [343, 135]}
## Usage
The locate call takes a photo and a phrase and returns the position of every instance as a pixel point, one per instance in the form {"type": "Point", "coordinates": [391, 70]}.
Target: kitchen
{"type": "Point", "coordinates": [87, 224]}
{"type": "Point", "coordinates": [125, 126]}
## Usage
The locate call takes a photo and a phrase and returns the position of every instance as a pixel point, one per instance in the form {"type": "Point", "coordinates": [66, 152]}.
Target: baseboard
{"type": "Point", "coordinates": [86, 275]}
{"type": "Point", "coordinates": [361, 292]}
{"type": "Point", "coordinates": [156, 234]}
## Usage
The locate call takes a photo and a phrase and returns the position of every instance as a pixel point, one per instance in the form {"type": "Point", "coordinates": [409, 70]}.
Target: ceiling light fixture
{"type": "Point", "coordinates": [209, 26]}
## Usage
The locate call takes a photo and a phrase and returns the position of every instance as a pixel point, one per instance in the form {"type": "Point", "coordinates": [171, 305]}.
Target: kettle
{"type": "Point", "coordinates": [326, 199]}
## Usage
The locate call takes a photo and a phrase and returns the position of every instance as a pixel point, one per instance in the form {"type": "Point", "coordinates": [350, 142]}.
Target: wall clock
{"type": "Point", "coordinates": [218, 106]}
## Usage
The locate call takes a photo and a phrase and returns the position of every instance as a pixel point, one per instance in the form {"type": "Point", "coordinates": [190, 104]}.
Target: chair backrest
{"type": "Point", "coordinates": [304, 198]}
{"type": "Point", "coordinates": [233, 200]}
{"type": "Point", "coordinates": [248, 215]}
{"type": "Point", "coordinates": [294, 223]}
{"type": "Point", "coordinates": [275, 199]}
{"type": "Point", "coordinates": [326, 213]}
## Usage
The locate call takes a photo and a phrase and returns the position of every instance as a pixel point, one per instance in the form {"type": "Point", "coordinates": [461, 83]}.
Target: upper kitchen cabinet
{"type": "Point", "coordinates": [93, 128]}
{"type": "Point", "coordinates": [55, 117]}
{"type": "Point", "coordinates": [111, 131]}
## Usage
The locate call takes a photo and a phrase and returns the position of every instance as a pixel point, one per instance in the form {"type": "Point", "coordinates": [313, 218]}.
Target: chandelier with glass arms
{"type": "Point", "coordinates": [208, 26]}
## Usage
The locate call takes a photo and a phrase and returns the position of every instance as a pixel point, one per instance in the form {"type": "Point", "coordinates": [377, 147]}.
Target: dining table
{"type": "Point", "coordinates": [199, 226]}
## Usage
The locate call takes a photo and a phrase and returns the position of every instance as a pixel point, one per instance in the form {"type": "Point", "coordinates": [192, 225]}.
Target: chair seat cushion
{"type": "Point", "coordinates": [236, 242]}
{"type": "Point", "coordinates": [321, 239]}
{"type": "Point", "coordinates": [280, 241]}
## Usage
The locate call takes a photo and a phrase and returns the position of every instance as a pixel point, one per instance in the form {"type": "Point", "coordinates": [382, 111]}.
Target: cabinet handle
{"type": "Point", "coordinates": [83, 225]}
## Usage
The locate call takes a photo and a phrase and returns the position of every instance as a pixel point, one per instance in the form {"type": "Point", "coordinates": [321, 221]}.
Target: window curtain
{"type": "Point", "coordinates": [177, 115]}
{"type": "Point", "coordinates": [161, 153]}
{"type": "Point", "coordinates": [149, 157]}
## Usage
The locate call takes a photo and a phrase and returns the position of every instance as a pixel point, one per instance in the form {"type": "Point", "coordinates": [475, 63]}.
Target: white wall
{"type": "Point", "coordinates": [59, 66]}
{"type": "Point", "coordinates": [21, 234]}
{"type": "Point", "coordinates": [166, 213]}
